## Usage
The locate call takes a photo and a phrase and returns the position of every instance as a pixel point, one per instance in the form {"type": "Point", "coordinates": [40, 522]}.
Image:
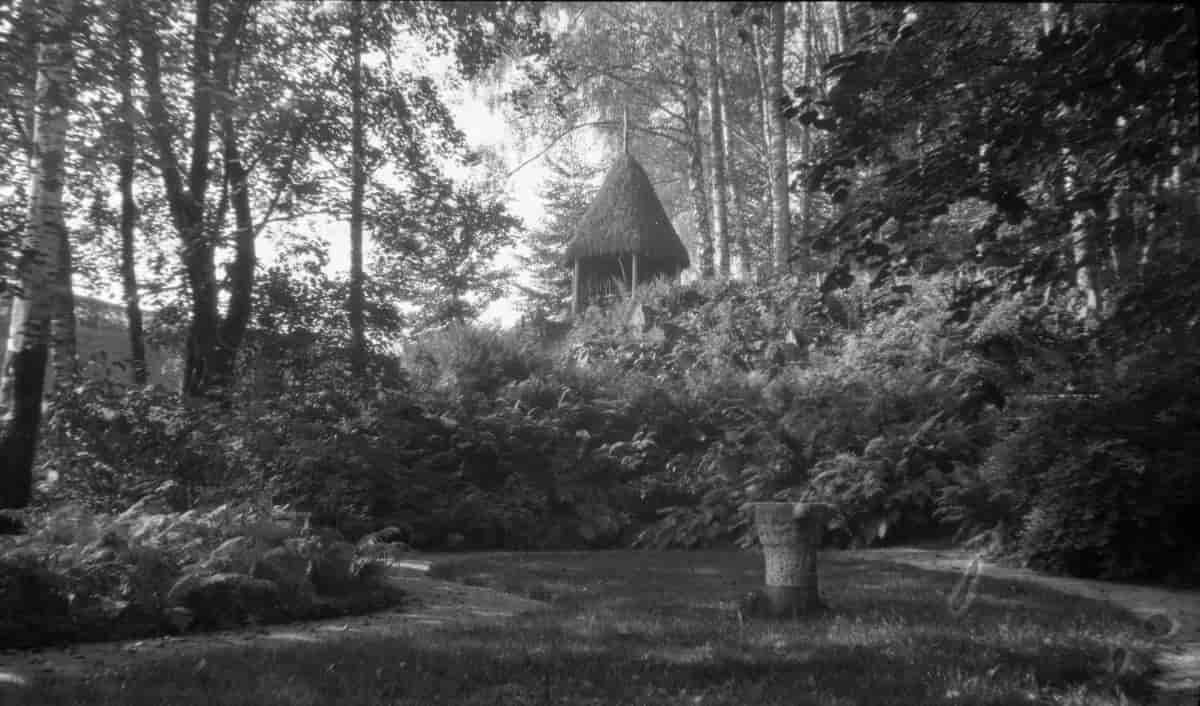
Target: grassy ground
{"type": "Point", "coordinates": [661, 628]}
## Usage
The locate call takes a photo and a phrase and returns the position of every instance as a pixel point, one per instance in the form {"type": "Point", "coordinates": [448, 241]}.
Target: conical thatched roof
{"type": "Point", "coordinates": [626, 216]}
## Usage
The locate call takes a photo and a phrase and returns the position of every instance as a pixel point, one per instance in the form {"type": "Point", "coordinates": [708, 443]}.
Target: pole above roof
{"type": "Point", "coordinates": [625, 129]}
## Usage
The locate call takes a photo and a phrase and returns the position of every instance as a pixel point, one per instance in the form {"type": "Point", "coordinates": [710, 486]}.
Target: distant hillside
{"type": "Point", "coordinates": [103, 341]}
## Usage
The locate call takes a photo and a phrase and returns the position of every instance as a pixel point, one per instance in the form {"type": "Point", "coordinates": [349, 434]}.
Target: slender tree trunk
{"type": "Point", "coordinates": [1049, 16]}
{"type": "Point", "coordinates": [358, 339]}
{"type": "Point", "coordinates": [1122, 239]}
{"type": "Point", "coordinates": [779, 163]}
{"type": "Point", "coordinates": [22, 379]}
{"type": "Point", "coordinates": [696, 164]}
{"type": "Point", "coordinates": [29, 73]}
{"type": "Point", "coordinates": [764, 105]}
{"type": "Point", "coordinates": [241, 270]}
{"type": "Point", "coordinates": [64, 355]}
{"type": "Point", "coordinates": [64, 352]}
{"type": "Point", "coordinates": [1083, 248]}
{"type": "Point", "coordinates": [720, 204]}
{"type": "Point", "coordinates": [745, 254]}
{"type": "Point", "coordinates": [1083, 232]}
{"type": "Point", "coordinates": [127, 145]}
{"type": "Point", "coordinates": [808, 27]}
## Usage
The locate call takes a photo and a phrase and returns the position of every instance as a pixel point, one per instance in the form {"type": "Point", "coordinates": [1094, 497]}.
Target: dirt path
{"type": "Point", "coordinates": [434, 603]}
{"type": "Point", "coordinates": [1177, 611]}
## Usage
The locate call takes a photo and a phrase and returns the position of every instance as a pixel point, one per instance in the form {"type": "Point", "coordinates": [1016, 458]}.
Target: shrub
{"type": "Point", "coordinates": [467, 362]}
{"type": "Point", "coordinates": [1100, 485]}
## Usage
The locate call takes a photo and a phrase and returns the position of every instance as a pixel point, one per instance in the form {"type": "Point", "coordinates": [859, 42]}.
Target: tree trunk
{"type": "Point", "coordinates": [779, 165]}
{"type": "Point", "coordinates": [356, 306]}
{"type": "Point", "coordinates": [720, 204]}
{"type": "Point", "coordinates": [1121, 236]}
{"type": "Point", "coordinates": [841, 19]}
{"type": "Point", "coordinates": [22, 380]}
{"type": "Point", "coordinates": [696, 164]}
{"type": "Point", "coordinates": [1082, 234]}
{"type": "Point", "coordinates": [764, 105]}
{"type": "Point", "coordinates": [64, 354]}
{"type": "Point", "coordinates": [1083, 248]}
{"type": "Point", "coordinates": [205, 360]}
{"type": "Point", "coordinates": [241, 270]}
{"type": "Point", "coordinates": [809, 28]}
{"type": "Point", "coordinates": [127, 145]}
{"type": "Point", "coordinates": [745, 254]}
{"type": "Point", "coordinates": [63, 348]}
{"type": "Point", "coordinates": [187, 203]}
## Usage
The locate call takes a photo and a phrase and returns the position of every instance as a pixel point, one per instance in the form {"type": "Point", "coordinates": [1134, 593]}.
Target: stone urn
{"type": "Point", "coordinates": [790, 534]}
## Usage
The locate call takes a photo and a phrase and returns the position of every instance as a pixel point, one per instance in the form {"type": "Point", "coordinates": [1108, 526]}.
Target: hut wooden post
{"type": "Point", "coordinates": [633, 284]}
{"type": "Point", "coordinates": [575, 288]}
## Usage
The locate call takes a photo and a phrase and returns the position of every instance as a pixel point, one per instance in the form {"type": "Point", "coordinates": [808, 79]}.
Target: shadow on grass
{"type": "Point", "coordinates": [661, 628]}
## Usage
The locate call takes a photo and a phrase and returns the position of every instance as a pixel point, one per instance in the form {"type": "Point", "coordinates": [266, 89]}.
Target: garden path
{"type": "Point", "coordinates": [1171, 615]}
{"type": "Point", "coordinates": [436, 603]}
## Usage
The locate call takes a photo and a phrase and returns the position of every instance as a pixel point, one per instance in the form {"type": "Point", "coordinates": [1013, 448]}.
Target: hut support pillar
{"type": "Point", "coordinates": [633, 284]}
{"type": "Point", "coordinates": [575, 288]}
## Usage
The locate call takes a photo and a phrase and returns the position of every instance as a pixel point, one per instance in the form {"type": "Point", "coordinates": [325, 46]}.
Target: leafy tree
{"type": "Point", "coordinates": [441, 254]}
{"type": "Point", "coordinates": [1004, 122]}
{"type": "Point", "coordinates": [211, 343]}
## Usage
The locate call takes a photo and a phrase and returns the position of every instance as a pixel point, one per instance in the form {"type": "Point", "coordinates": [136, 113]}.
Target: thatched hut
{"type": "Point", "coordinates": [624, 238]}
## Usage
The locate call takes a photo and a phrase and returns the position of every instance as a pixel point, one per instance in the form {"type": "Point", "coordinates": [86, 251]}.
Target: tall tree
{"type": "Point", "coordinates": [33, 285]}
{"type": "Point", "coordinates": [693, 100]}
{"type": "Point", "coordinates": [808, 28]}
{"type": "Point", "coordinates": [720, 187]}
{"type": "Point", "coordinates": [126, 161]}
{"type": "Point", "coordinates": [358, 179]}
{"type": "Point", "coordinates": [764, 115]}
{"type": "Point", "coordinates": [781, 220]}
{"type": "Point", "coordinates": [208, 357]}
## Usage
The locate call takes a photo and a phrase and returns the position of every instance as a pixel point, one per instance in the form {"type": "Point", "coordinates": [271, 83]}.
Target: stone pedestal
{"type": "Point", "coordinates": [790, 534]}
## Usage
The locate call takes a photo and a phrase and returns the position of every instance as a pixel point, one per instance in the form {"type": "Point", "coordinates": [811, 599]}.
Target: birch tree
{"type": "Point", "coordinates": [693, 99]}
{"type": "Point", "coordinates": [37, 273]}
{"type": "Point", "coordinates": [781, 220]}
{"type": "Point", "coordinates": [720, 187]}
{"type": "Point", "coordinates": [358, 179]}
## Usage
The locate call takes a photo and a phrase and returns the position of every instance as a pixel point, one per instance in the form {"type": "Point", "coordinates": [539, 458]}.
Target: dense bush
{"type": "Point", "coordinates": [1099, 485]}
{"type": "Point", "coordinates": [872, 420]}
{"type": "Point", "coordinates": [655, 422]}
{"type": "Point", "coordinates": [79, 575]}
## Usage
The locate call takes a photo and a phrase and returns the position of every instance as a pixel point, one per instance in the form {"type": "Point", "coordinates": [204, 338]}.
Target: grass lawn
{"type": "Point", "coordinates": [661, 628]}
